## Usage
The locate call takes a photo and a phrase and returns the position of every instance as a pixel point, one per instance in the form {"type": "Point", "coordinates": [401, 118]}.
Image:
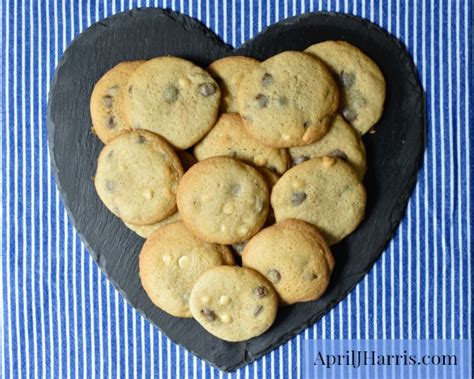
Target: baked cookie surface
{"type": "Point", "coordinates": [341, 141]}
{"type": "Point", "coordinates": [137, 177]}
{"type": "Point", "coordinates": [294, 257]}
{"type": "Point", "coordinates": [171, 261]}
{"type": "Point", "coordinates": [325, 192]}
{"type": "Point", "coordinates": [223, 200]}
{"type": "Point", "coordinates": [361, 82]}
{"type": "Point", "coordinates": [174, 98]}
{"type": "Point", "coordinates": [228, 72]}
{"type": "Point", "coordinates": [106, 103]}
{"type": "Point", "coordinates": [233, 303]}
{"type": "Point", "coordinates": [229, 138]}
{"type": "Point", "coordinates": [288, 100]}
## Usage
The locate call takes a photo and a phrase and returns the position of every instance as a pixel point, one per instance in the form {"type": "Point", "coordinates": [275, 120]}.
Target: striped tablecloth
{"type": "Point", "coordinates": [59, 315]}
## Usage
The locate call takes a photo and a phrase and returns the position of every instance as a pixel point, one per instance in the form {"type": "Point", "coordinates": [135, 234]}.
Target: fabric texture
{"type": "Point", "coordinates": [60, 317]}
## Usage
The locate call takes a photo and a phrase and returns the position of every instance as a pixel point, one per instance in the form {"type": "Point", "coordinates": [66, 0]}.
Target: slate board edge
{"type": "Point", "coordinates": [189, 22]}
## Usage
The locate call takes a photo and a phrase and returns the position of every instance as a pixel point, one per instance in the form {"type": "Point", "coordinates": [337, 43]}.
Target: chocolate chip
{"type": "Point", "coordinates": [267, 79]}
{"type": "Point", "coordinates": [307, 124]}
{"type": "Point", "coordinates": [274, 276]}
{"type": "Point", "coordinates": [262, 100]}
{"type": "Point", "coordinates": [260, 292]}
{"type": "Point", "coordinates": [233, 154]}
{"type": "Point", "coordinates": [207, 89]}
{"type": "Point", "coordinates": [110, 186]}
{"type": "Point", "coordinates": [283, 100]}
{"type": "Point", "coordinates": [297, 198]}
{"type": "Point", "coordinates": [235, 189]}
{"type": "Point", "coordinates": [349, 114]}
{"type": "Point", "coordinates": [300, 159]}
{"type": "Point", "coordinates": [130, 89]}
{"type": "Point", "coordinates": [208, 314]}
{"type": "Point", "coordinates": [111, 122]}
{"type": "Point", "coordinates": [338, 154]}
{"type": "Point", "coordinates": [310, 276]}
{"type": "Point", "coordinates": [257, 310]}
{"type": "Point", "coordinates": [171, 94]}
{"type": "Point", "coordinates": [141, 139]}
{"type": "Point", "coordinates": [107, 101]}
{"type": "Point", "coordinates": [347, 79]}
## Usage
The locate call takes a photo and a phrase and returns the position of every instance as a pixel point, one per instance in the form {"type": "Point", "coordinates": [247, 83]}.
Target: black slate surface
{"type": "Point", "coordinates": [393, 153]}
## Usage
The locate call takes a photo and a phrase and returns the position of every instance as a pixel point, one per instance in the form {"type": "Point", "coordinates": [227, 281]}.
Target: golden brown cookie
{"type": "Point", "coordinates": [294, 257]}
{"type": "Point", "coordinates": [171, 261]}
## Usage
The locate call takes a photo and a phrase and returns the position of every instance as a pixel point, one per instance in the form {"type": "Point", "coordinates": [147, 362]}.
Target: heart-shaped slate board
{"type": "Point", "coordinates": [393, 155]}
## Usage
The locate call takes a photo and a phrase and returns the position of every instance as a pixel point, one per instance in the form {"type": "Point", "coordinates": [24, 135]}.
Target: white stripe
{"type": "Point", "coordinates": [467, 97]}
{"type": "Point", "coordinates": [4, 121]}
{"type": "Point", "coordinates": [23, 184]}
{"type": "Point", "coordinates": [459, 180]}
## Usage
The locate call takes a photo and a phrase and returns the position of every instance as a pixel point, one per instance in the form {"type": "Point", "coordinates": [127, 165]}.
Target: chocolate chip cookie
{"type": "Point", "coordinates": [233, 303]}
{"type": "Point", "coordinates": [294, 257]}
{"type": "Point", "coordinates": [228, 137]}
{"type": "Point", "coordinates": [288, 100]}
{"type": "Point", "coordinates": [171, 261]}
{"type": "Point", "coordinates": [106, 104]}
{"type": "Point", "coordinates": [137, 177]}
{"type": "Point", "coordinates": [325, 192]}
{"type": "Point", "coordinates": [228, 72]}
{"type": "Point", "coordinates": [342, 142]}
{"type": "Point", "coordinates": [174, 98]}
{"type": "Point", "coordinates": [223, 200]}
{"type": "Point", "coordinates": [360, 80]}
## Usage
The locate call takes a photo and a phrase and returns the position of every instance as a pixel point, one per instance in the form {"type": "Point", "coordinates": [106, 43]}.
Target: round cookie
{"type": "Point", "coordinates": [342, 142]}
{"type": "Point", "coordinates": [171, 261]}
{"type": "Point", "coordinates": [228, 72]}
{"type": "Point", "coordinates": [223, 200]}
{"type": "Point", "coordinates": [106, 104]}
{"type": "Point", "coordinates": [228, 137]}
{"type": "Point", "coordinates": [325, 192]}
{"type": "Point", "coordinates": [288, 100]}
{"type": "Point", "coordinates": [137, 177]}
{"type": "Point", "coordinates": [361, 82]}
{"type": "Point", "coordinates": [174, 98]}
{"type": "Point", "coordinates": [146, 231]}
{"type": "Point", "coordinates": [294, 257]}
{"type": "Point", "coordinates": [233, 303]}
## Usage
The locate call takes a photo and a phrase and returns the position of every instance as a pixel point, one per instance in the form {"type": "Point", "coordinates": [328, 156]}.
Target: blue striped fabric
{"type": "Point", "coordinates": [59, 315]}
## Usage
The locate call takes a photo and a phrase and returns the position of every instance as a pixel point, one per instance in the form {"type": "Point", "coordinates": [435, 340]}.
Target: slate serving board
{"type": "Point", "coordinates": [393, 154]}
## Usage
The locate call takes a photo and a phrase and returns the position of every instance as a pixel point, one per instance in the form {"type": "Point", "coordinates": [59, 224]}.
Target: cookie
{"type": "Point", "coordinates": [223, 200]}
{"type": "Point", "coordinates": [361, 82]}
{"type": "Point", "coordinates": [342, 142]}
{"type": "Point", "coordinates": [106, 104]}
{"type": "Point", "coordinates": [137, 177]}
{"type": "Point", "coordinates": [233, 303]}
{"type": "Point", "coordinates": [325, 192]}
{"type": "Point", "coordinates": [288, 100]}
{"type": "Point", "coordinates": [146, 231]}
{"type": "Point", "coordinates": [228, 72]}
{"type": "Point", "coordinates": [228, 137]}
{"type": "Point", "coordinates": [171, 261]}
{"type": "Point", "coordinates": [174, 98]}
{"type": "Point", "coordinates": [294, 257]}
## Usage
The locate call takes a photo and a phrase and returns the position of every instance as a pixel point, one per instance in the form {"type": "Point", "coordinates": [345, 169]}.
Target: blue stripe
{"type": "Point", "coordinates": [61, 317]}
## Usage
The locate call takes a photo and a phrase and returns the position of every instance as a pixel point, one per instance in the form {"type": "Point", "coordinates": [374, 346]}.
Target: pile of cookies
{"type": "Point", "coordinates": [258, 162]}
